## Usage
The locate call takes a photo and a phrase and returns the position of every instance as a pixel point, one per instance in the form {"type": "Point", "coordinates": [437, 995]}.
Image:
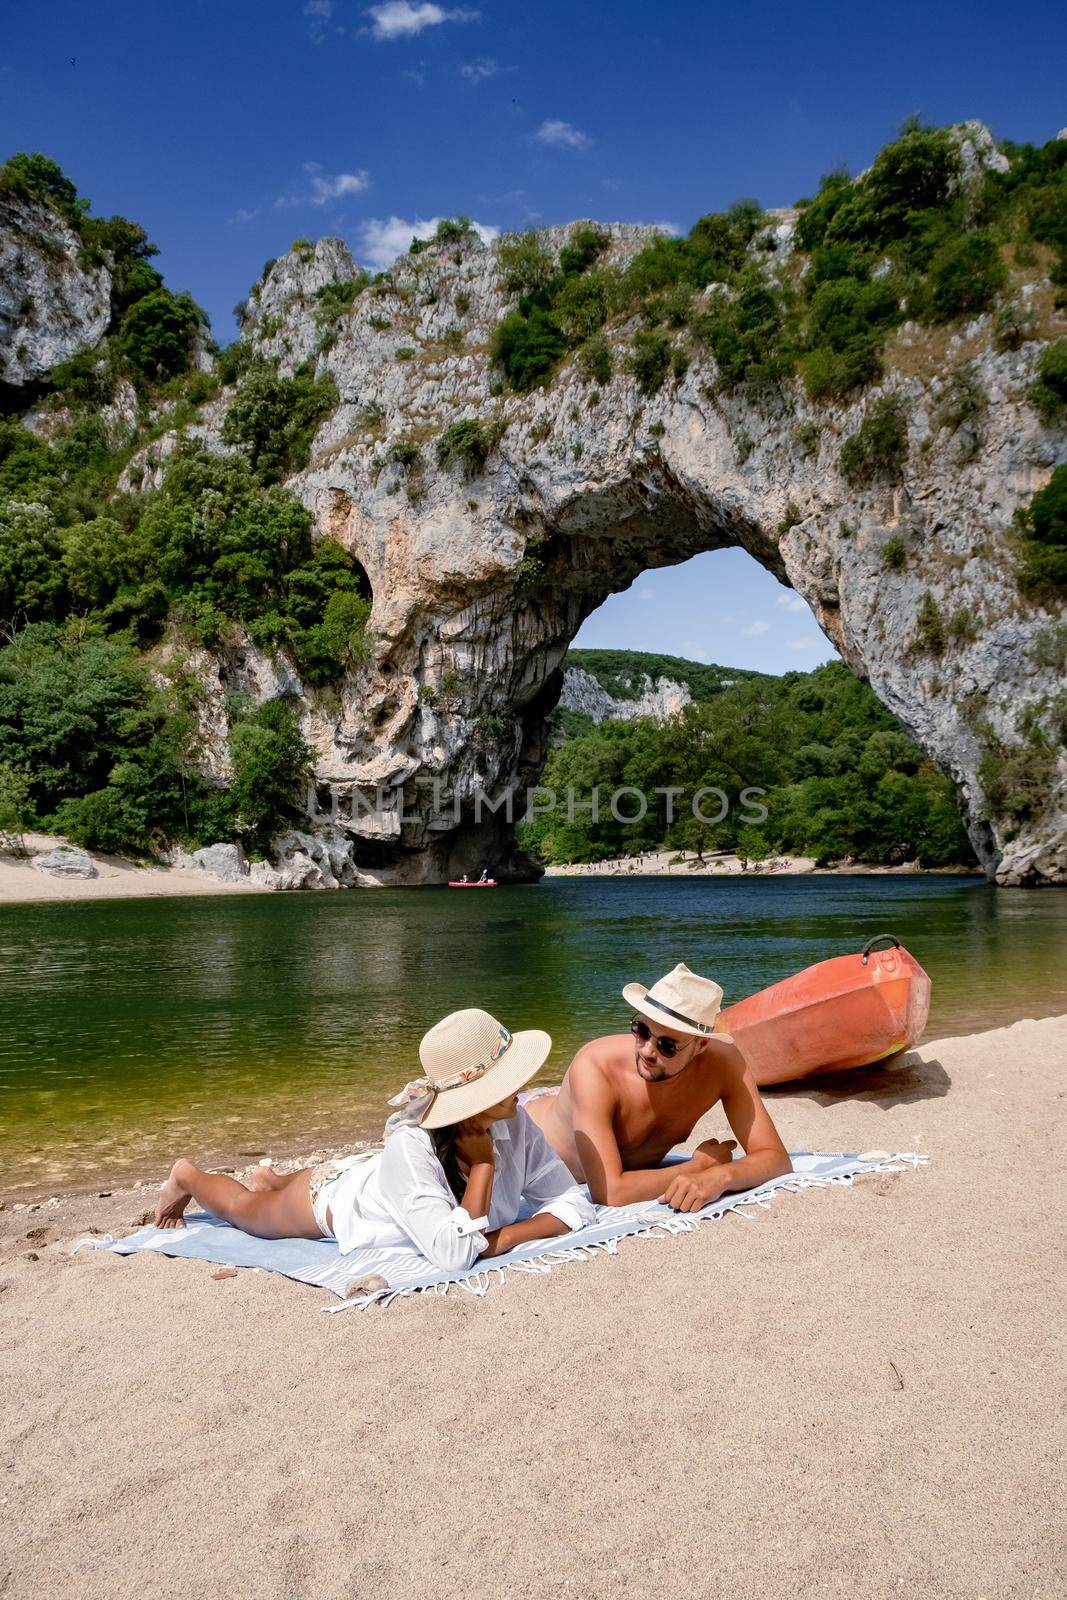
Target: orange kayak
{"type": "Point", "coordinates": [849, 1011]}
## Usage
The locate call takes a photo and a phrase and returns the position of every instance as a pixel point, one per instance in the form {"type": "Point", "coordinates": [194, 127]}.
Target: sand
{"type": "Point", "coordinates": [686, 864]}
{"type": "Point", "coordinates": [116, 879]}
{"type": "Point", "coordinates": [119, 879]}
{"type": "Point", "coordinates": [857, 1393]}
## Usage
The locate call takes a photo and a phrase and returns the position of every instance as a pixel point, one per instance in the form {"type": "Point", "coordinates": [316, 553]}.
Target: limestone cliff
{"type": "Point", "coordinates": [484, 564]}
{"type": "Point", "coordinates": [51, 305]}
{"type": "Point", "coordinates": [481, 580]}
{"type": "Point", "coordinates": [582, 692]}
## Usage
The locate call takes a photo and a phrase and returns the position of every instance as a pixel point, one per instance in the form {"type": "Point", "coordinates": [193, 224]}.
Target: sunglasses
{"type": "Point", "coordinates": [665, 1046]}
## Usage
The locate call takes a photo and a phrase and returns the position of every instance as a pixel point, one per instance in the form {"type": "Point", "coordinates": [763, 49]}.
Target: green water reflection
{"type": "Point", "coordinates": [134, 1030]}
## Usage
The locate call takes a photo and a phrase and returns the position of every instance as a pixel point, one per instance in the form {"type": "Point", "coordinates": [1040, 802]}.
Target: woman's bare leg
{"type": "Point", "coordinates": [271, 1214]}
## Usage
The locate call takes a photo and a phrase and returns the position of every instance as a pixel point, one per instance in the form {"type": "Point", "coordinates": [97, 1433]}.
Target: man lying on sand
{"type": "Point", "coordinates": [629, 1098]}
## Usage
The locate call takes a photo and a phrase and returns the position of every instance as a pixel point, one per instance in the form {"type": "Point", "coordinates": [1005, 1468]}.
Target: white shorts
{"type": "Point", "coordinates": [323, 1187]}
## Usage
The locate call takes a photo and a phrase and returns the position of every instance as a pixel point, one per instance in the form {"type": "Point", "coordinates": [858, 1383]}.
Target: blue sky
{"type": "Point", "coordinates": [229, 127]}
{"type": "Point", "coordinates": [721, 606]}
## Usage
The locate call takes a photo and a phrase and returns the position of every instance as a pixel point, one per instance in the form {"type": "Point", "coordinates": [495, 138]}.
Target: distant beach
{"type": "Point", "coordinates": [117, 878]}
{"type": "Point", "coordinates": [686, 863]}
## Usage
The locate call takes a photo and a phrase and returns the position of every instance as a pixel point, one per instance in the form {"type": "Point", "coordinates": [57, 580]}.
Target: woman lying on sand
{"type": "Point", "coordinates": [460, 1162]}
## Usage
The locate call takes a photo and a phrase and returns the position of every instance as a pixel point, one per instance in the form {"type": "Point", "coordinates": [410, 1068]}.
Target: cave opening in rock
{"type": "Point", "coordinates": [675, 635]}
{"type": "Point", "coordinates": [646, 568]}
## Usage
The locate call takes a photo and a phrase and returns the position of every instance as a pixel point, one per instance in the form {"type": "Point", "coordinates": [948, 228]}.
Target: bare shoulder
{"type": "Point", "coordinates": [591, 1071]}
{"type": "Point", "coordinates": [728, 1061]}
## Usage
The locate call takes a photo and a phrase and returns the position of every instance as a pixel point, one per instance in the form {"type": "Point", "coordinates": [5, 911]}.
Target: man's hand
{"type": "Point", "coordinates": [473, 1145]}
{"type": "Point", "coordinates": [713, 1153]}
{"type": "Point", "coordinates": [693, 1189]}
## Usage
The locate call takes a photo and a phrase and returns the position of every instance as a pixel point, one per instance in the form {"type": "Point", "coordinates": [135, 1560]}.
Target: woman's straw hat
{"type": "Point", "coordinates": [470, 1062]}
{"type": "Point", "coordinates": [682, 1001]}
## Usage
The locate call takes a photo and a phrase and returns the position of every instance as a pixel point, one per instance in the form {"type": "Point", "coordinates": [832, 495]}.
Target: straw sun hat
{"type": "Point", "coordinates": [682, 1001]}
{"type": "Point", "coordinates": [470, 1062]}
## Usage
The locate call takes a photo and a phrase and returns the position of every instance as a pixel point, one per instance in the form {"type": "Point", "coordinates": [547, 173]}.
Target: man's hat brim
{"type": "Point", "coordinates": [636, 995]}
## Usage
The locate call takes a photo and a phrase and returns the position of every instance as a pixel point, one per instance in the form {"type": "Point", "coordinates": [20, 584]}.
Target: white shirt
{"type": "Point", "coordinates": [400, 1195]}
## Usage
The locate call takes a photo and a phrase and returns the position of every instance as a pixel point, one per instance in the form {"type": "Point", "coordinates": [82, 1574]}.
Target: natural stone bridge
{"type": "Point", "coordinates": [480, 581]}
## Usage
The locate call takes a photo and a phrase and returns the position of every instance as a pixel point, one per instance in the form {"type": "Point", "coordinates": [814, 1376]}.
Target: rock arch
{"type": "Point", "coordinates": [482, 574]}
{"type": "Point", "coordinates": [472, 631]}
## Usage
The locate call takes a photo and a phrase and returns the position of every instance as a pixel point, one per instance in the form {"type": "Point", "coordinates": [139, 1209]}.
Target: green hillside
{"type": "Point", "coordinates": [836, 772]}
{"type": "Point", "coordinates": [99, 737]}
{"type": "Point", "coordinates": [620, 672]}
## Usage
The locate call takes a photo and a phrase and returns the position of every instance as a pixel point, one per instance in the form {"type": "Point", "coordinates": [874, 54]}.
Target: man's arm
{"type": "Point", "coordinates": [593, 1113]}
{"type": "Point", "coordinates": [765, 1155]}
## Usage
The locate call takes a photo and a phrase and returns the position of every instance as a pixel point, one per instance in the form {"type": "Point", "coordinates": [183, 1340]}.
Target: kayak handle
{"type": "Point", "coordinates": [869, 946]}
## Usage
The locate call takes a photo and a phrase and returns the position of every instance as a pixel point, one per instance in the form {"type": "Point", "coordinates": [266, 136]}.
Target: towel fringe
{"type": "Point", "coordinates": [479, 1283]}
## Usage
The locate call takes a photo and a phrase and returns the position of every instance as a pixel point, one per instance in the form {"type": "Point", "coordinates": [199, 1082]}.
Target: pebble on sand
{"type": "Point", "coordinates": [373, 1283]}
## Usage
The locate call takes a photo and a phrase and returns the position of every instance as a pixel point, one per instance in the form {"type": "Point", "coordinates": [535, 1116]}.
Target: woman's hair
{"type": "Point", "coordinates": [444, 1144]}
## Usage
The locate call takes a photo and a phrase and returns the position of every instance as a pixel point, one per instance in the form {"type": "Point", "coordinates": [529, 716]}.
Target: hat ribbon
{"type": "Point", "coordinates": [415, 1098]}
{"type": "Point", "coordinates": [679, 1016]}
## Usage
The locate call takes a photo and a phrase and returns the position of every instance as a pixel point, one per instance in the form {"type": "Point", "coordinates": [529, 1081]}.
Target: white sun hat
{"type": "Point", "coordinates": [682, 1001]}
{"type": "Point", "coordinates": [470, 1062]}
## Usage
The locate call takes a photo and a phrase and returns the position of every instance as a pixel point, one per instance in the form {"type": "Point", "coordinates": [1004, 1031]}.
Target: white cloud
{"type": "Point", "coordinates": [556, 132]}
{"type": "Point", "coordinates": [646, 593]}
{"type": "Point", "coordinates": [241, 215]}
{"type": "Point", "coordinates": [791, 602]}
{"type": "Point", "coordinates": [325, 187]}
{"type": "Point", "coordinates": [695, 651]}
{"type": "Point", "coordinates": [381, 241]}
{"type": "Point", "coordinates": [807, 644]}
{"type": "Point", "coordinates": [319, 14]}
{"type": "Point", "coordinates": [400, 19]}
{"type": "Point", "coordinates": [757, 627]}
{"type": "Point", "coordinates": [478, 70]}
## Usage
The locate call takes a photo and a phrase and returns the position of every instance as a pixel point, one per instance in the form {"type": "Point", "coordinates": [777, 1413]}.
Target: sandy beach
{"type": "Point", "coordinates": [116, 879]}
{"type": "Point", "coordinates": [853, 1393]}
{"type": "Point", "coordinates": [687, 864]}
{"type": "Point", "coordinates": [120, 879]}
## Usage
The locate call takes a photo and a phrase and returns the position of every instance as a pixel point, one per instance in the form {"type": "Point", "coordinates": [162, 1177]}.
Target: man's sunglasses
{"type": "Point", "coordinates": [666, 1047]}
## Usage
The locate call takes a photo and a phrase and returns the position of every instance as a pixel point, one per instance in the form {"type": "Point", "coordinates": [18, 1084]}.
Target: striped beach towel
{"type": "Point", "coordinates": [406, 1272]}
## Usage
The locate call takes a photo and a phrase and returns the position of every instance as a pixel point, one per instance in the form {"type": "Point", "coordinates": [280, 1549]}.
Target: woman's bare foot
{"type": "Point", "coordinates": [173, 1199]}
{"type": "Point", "coordinates": [262, 1178]}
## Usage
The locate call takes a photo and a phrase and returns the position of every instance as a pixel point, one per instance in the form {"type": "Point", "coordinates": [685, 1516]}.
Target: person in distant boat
{"type": "Point", "coordinates": [464, 879]}
{"type": "Point", "coordinates": [461, 1162]}
{"type": "Point", "coordinates": [485, 875]}
{"type": "Point", "coordinates": [629, 1098]}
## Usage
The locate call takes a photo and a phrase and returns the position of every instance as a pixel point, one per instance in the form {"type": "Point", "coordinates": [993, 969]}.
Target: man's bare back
{"type": "Point", "coordinates": [623, 1106]}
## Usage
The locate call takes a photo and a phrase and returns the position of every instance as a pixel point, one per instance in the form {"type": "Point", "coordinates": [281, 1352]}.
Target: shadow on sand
{"type": "Point", "coordinates": [898, 1081]}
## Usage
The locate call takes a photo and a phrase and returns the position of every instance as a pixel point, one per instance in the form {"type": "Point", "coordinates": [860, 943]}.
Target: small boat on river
{"type": "Point", "coordinates": [476, 883]}
{"type": "Point", "coordinates": [850, 1011]}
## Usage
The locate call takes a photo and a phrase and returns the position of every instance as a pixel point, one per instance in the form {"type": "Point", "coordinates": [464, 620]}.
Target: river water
{"type": "Point", "coordinates": [133, 1031]}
